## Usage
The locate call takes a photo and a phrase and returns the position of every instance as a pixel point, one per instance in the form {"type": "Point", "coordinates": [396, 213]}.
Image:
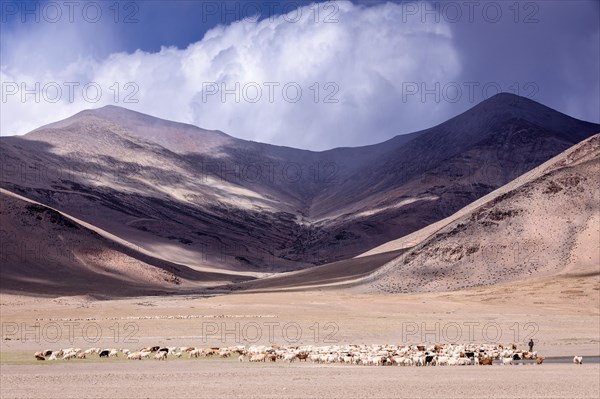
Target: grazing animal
{"type": "Point", "coordinates": [486, 361]}
{"type": "Point", "coordinates": [507, 361]}
{"type": "Point", "coordinates": [39, 357]}
{"type": "Point", "coordinates": [390, 359]}
{"type": "Point", "coordinates": [258, 358]}
{"type": "Point", "coordinates": [464, 361]}
{"type": "Point", "coordinates": [290, 357]}
{"type": "Point", "coordinates": [161, 355]}
{"type": "Point", "coordinates": [578, 360]}
{"type": "Point", "coordinates": [135, 356]}
{"type": "Point", "coordinates": [164, 350]}
{"type": "Point", "coordinates": [47, 353]}
{"type": "Point", "coordinates": [195, 353]}
{"type": "Point", "coordinates": [81, 355]}
{"type": "Point", "coordinates": [539, 360]}
{"type": "Point", "coordinates": [441, 361]}
{"type": "Point", "coordinates": [302, 356]}
{"type": "Point", "coordinates": [104, 353]}
{"type": "Point", "coordinates": [419, 360]}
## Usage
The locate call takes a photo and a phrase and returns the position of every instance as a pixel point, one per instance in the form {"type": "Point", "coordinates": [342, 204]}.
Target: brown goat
{"type": "Point", "coordinates": [486, 361]}
{"type": "Point", "coordinates": [539, 360]}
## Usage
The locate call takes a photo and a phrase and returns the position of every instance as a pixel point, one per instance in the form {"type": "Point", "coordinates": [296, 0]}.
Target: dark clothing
{"type": "Point", "coordinates": [531, 346]}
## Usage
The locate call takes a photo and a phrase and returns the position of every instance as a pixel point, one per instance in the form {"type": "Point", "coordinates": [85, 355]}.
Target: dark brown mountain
{"type": "Point", "coordinates": [212, 202]}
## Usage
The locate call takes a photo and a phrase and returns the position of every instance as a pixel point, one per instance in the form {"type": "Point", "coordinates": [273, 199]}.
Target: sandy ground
{"type": "Point", "coordinates": [560, 324]}
{"type": "Point", "coordinates": [229, 379]}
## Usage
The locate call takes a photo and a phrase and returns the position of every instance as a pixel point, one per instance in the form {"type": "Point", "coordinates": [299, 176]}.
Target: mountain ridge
{"type": "Point", "coordinates": [206, 209]}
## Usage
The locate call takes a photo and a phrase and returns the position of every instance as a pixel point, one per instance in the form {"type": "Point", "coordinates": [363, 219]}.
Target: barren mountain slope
{"type": "Point", "coordinates": [442, 170]}
{"type": "Point", "coordinates": [50, 253]}
{"type": "Point", "coordinates": [542, 225]}
{"type": "Point", "coordinates": [207, 200]}
{"type": "Point", "coordinates": [99, 172]}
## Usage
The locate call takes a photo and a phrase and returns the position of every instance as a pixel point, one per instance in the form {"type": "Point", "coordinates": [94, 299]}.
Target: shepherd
{"type": "Point", "coordinates": [531, 345]}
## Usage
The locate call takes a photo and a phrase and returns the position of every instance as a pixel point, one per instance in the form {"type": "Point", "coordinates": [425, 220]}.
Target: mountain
{"type": "Point", "coordinates": [545, 223]}
{"type": "Point", "coordinates": [543, 227]}
{"type": "Point", "coordinates": [446, 168]}
{"type": "Point", "coordinates": [217, 204]}
{"type": "Point", "coordinates": [51, 253]}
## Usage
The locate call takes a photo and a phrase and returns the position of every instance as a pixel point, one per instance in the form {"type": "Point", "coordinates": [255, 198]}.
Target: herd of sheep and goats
{"type": "Point", "coordinates": [365, 355]}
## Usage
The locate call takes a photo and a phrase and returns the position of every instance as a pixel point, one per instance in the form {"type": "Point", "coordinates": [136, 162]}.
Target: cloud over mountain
{"type": "Point", "coordinates": [353, 61]}
{"type": "Point", "coordinates": [300, 79]}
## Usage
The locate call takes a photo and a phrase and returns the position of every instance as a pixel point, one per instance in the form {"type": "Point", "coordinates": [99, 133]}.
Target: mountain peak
{"type": "Point", "coordinates": [498, 101]}
{"type": "Point", "coordinates": [505, 107]}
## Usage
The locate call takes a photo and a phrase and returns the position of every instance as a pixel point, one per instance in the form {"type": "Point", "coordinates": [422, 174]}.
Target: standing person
{"type": "Point", "coordinates": [531, 345]}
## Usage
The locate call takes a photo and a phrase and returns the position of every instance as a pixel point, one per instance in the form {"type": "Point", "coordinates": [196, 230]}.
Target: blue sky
{"type": "Point", "coordinates": [365, 70]}
{"type": "Point", "coordinates": [146, 25]}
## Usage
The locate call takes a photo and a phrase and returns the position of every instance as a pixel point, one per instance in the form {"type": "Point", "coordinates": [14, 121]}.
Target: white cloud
{"type": "Point", "coordinates": [367, 54]}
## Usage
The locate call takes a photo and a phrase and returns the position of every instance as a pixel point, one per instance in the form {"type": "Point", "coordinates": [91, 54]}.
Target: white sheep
{"type": "Point", "coordinates": [195, 353]}
{"type": "Point", "coordinates": [290, 357]}
{"type": "Point", "coordinates": [463, 361]}
{"type": "Point", "coordinates": [261, 357]}
{"type": "Point", "coordinates": [578, 360]}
